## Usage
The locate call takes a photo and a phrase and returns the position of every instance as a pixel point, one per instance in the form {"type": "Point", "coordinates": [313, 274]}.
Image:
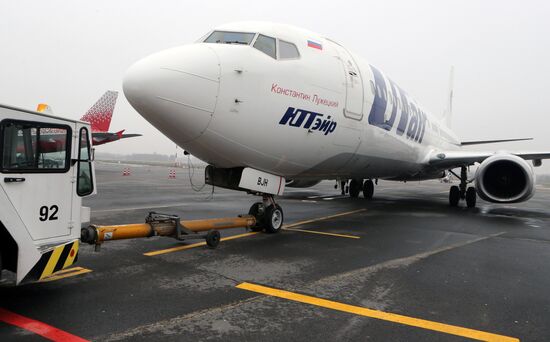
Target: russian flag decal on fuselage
{"type": "Point", "coordinates": [314, 45]}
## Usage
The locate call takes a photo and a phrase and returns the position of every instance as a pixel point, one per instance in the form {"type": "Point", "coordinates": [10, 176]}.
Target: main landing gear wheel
{"type": "Point", "coordinates": [471, 197]}
{"type": "Point", "coordinates": [462, 192]}
{"type": "Point", "coordinates": [354, 188]}
{"type": "Point", "coordinates": [273, 219]}
{"type": "Point", "coordinates": [454, 196]}
{"type": "Point", "coordinates": [368, 189]}
{"type": "Point", "coordinates": [213, 238]}
{"type": "Point", "coordinates": [257, 210]}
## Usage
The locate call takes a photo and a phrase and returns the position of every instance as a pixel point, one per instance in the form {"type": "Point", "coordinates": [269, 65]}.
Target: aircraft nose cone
{"type": "Point", "coordinates": [175, 90]}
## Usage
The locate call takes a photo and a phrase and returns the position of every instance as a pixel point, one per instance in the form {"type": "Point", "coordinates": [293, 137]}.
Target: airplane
{"type": "Point", "coordinates": [99, 116]}
{"type": "Point", "coordinates": [268, 105]}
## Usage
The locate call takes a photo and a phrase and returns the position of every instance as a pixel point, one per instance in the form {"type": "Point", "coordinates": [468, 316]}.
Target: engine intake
{"type": "Point", "coordinates": [505, 178]}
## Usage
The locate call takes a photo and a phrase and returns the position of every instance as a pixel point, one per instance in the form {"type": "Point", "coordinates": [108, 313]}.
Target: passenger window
{"type": "Point", "coordinates": [266, 45]}
{"type": "Point", "coordinates": [288, 50]}
{"type": "Point", "coordinates": [84, 183]}
{"type": "Point", "coordinates": [34, 147]}
{"type": "Point", "coordinates": [223, 37]}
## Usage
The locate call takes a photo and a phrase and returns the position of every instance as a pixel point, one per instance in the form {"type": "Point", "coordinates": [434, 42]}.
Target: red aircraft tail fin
{"type": "Point", "coordinates": [100, 114]}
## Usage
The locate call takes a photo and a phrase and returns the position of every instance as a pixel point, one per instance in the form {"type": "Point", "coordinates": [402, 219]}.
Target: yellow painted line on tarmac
{"type": "Point", "coordinates": [381, 315]}
{"type": "Point", "coordinates": [300, 223]}
{"type": "Point", "coordinates": [66, 273]}
{"type": "Point", "coordinates": [322, 233]}
{"type": "Point", "coordinates": [193, 245]}
{"type": "Point", "coordinates": [198, 244]}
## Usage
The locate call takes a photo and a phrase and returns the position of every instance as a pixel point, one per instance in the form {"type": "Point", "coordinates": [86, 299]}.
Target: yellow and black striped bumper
{"type": "Point", "coordinates": [53, 260]}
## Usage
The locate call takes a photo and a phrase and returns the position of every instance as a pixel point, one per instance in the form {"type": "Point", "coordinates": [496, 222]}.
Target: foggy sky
{"type": "Point", "coordinates": [67, 53]}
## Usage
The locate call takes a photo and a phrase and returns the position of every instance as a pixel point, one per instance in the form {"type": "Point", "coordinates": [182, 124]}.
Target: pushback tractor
{"type": "Point", "coordinates": [46, 166]}
{"type": "Point", "coordinates": [46, 169]}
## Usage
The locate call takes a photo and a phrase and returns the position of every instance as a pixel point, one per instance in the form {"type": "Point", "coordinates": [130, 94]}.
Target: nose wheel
{"type": "Point", "coordinates": [273, 221]}
{"type": "Point", "coordinates": [269, 215]}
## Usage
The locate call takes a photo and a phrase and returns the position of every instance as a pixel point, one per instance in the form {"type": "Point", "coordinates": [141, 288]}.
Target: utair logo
{"type": "Point", "coordinates": [309, 120]}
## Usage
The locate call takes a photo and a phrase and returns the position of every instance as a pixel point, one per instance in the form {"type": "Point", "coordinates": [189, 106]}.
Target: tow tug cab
{"type": "Point", "coordinates": [46, 166]}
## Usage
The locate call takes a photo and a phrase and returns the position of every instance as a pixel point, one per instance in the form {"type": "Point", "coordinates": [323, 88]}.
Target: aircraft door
{"type": "Point", "coordinates": [354, 85]}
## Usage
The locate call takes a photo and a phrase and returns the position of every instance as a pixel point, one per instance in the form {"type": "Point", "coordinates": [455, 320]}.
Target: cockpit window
{"type": "Point", "coordinates": [266, 45]}
{"type": "Point", "coordinates": [224, 37]}
{"type": "Point", "coordinates": [288, 50]}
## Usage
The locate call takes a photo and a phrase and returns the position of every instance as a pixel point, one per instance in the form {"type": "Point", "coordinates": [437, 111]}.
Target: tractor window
{"type": "Point", "coordinates": [30, 147]}
{"type": "Point", "coordinates": [84, 184]}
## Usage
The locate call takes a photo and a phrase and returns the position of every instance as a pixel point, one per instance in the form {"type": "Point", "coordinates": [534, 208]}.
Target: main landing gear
{"type": "Point", "coordinates": [356, 186]}
{"type": "Point", "coordinates": [269, 215]}
{"type": "Point", "coordinates": [462, 191]}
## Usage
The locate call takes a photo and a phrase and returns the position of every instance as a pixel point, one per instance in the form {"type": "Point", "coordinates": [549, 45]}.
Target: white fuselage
{"type": "Point", "coordinates": [324, 115]}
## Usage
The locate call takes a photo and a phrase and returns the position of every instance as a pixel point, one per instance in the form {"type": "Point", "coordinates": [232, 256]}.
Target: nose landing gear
{"type": "Point", "coordinates": [269, 215]}
{"type": "Point", "coordinates": [462, 192]}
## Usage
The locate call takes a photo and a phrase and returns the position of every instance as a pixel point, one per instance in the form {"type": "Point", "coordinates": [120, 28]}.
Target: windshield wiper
{"type": "Point", "coordinates": [235, 42]}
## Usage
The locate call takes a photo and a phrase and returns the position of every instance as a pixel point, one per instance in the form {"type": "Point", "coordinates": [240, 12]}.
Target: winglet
{"type": "Point", "coordinates": [119, 133]}
{"type": "Point", "coordinates": [100, 114]}
{"type": "Point", "coordinates": [448, 112]}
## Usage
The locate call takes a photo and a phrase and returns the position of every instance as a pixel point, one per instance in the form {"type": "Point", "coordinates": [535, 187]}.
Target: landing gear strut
{"type": "Point", "coordinates": [343, 186]}
{"type": "Point", "coordinates": [269, 215]}
{"type": "Point", "coordinates": [462, 191]}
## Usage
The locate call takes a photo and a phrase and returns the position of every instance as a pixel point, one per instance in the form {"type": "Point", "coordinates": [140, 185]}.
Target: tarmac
{"type": "Point", "coordinates": [404, 266]}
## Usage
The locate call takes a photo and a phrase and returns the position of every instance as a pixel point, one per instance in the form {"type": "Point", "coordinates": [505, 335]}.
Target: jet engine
{"type": "Point", "coordinates": [301, 183]}
{"type": "Point", "coordinates": [505, 178]}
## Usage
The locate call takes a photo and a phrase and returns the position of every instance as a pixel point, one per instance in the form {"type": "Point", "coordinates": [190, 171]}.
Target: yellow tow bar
{"type": "Point", "coordinates": [166, 225]}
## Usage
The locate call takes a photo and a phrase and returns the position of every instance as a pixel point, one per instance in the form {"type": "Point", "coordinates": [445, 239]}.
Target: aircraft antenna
{"type": "Point", "coordinates": [448, 113]}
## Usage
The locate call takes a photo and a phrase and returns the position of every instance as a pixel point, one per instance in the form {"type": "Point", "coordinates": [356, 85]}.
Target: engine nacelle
{"type": "Point", "coordinates": [301, 183]}
{"type": "Point", "coordinates": [505, 178]}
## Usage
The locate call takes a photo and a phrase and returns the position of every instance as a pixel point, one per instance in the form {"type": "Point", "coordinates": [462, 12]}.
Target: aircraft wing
{"type": "Point", "coordinates": [452, 159]}
{"type": "Point", "coordinates": [100, 138]}
{"type": "Point", "coordinates": [130, 135]}
{"type": "Point", "coordinates": [479, 142]}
